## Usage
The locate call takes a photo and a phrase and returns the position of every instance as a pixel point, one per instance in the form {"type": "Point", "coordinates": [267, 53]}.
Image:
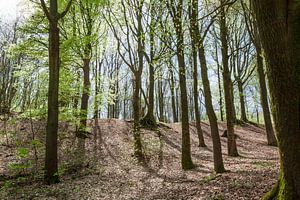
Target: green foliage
{"type": "Point", "coordinates": [7, 184]}
{"type": "Point", "coordinates": [35, 114]}
{"type": "Point", "coordinates": [35, 143]}
{"type": "Point", "coordinates": [22, 152]}
{"type": "Point", "coordinates": [23, 164]}
{"type": "Point", "coordinates": [20, 166]}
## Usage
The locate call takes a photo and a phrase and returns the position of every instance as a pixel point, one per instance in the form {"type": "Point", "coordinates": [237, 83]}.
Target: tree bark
{"type": "Point", "coordinates": [186, 159]}
{"type": "Point", "coordinates": [51, 163]}
{"type": "Point", "coordinates": [220, 93]}
{"type": "Point", "coordinates": [160, 99]}
{"type": "Point", "coordinates": [279, 28]}
{"type": "Point", "coordinates": [242, 100]}
{"type": "Point", "coordinates": [231, 143]}
{"type": "Point", "coordinates": [149, 120]}
{"type": "Point", "coordinates": [137, 85]}
{"type": "Point", "coordinates": [217, 148]}
{"type": "Point", "coordinates": [272, 141]}
{"type": "Point", "coordinates": [173, 96]}
{"type": "Point", "coordinates": [193, 25]}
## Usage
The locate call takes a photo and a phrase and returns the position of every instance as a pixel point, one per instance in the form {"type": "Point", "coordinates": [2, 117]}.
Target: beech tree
{"type": "Point", "coordinates": [193, 15]}
{"type": "Point", "coordinates": [279, 29]}
{"type": "Point", "coordinates": [176, 12]}
{"type": "Point", "coordinates": [217, 148]}
{"type": "Point", "coordinates": [228, 86]}
{"type": "Point", "coordinates": [252, 28]}
{"type": "Point", "coordinates": [53, 16]}
{"type": "Point", "coordinates": [134, 88]}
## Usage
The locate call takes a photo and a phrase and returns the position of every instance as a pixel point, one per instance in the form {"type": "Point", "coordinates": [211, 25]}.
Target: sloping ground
{"type": "Point", "coordinates": [113, 173]}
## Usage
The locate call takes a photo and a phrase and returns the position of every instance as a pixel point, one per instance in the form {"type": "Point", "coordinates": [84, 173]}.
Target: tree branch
{"type": "Point", "coordinates": [45, 9]}
{"type": "Point", "coordinates": [61, 15]}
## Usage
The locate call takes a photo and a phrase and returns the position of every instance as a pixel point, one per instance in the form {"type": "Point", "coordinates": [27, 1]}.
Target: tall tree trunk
{"type": "Point", "coordinates": [149, 119]}
{"type": "Point", "coordinates": [82, 132]}
{"type": "Point", "coordinates": [178, 105]}
{"type": "Point", "coordinates": [86, 58]}
{"type": "Point", "coordinates": [173, 96]}
{"type": "Point", "coordinates": [136, 118]}
{"type": "Point", "coordinates": [160, 98]}
{"type": "Point", "coordinates": [117, 98]}
{"type": "Point", "coordinates": [220, 94]}
{"type": "Point", "coordinates": [186, 159]}
{"type": "Point", "coordinates": [217, 148]}
{"type": "Point", "coordinates": [193, 25]}
{"type": "Point", "coordinates": [279, 28]}
{"type": "Point", "coordinates": [51, 164]}
{"type": "Point", "coordinates": [232, 148]}
{"type": "Point", "coordinates": [264, 98]}
{"type": "Point", "coordinates": [137, 85]}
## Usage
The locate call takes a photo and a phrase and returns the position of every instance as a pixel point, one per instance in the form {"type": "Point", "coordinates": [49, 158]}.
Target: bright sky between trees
{"type": "Point", "coordinates": [10, 9]}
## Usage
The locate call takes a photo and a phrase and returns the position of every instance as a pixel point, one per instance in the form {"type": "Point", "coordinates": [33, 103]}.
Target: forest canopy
{"type": "Point", "coordinates": [193, 79]}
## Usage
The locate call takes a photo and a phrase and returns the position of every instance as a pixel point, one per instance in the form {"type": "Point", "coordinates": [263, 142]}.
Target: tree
{"type": "Point", "coordinates": [149, 119]}
{"type": "Point", "coordinates": [172, 88]}
{"type": "Point", "coordinates": [230, 118]}
{"type": "Point", "coordinates": [84, 28]}
{"type": "Point", "coordinates": [53, 16]}
{"type": "Point", "coordinates": [254, 36]}
{"type": "Point", "coordinates": [217, 148]}
{"type": "Point", "coordinates": [241, 59]}
{"type": "Point", "coordinates": [135, 64]}
{"type": "Point", "coordinates": [279, 30]}
{"type": "Point", "coordinates": [176, 11]}
{"type": "Point", "coordinates": [193, 15]}
{"type": "Point", "coordinates": [8, 89]}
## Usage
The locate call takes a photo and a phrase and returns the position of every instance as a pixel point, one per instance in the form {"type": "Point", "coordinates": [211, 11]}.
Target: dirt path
{"type": "Point", "coordinates": [114, 173]}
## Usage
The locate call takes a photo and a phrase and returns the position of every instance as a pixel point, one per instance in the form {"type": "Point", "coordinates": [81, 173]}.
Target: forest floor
{"type": "Point", "coordinates": [112, 172]}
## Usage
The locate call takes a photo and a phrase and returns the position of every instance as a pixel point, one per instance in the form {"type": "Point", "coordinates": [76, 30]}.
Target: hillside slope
{"type": "Point", "coordinates": [112, 172]}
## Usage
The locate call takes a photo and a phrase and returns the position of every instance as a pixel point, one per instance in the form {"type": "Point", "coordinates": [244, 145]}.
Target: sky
{"type": "Point", "coordinates": [10, 9]}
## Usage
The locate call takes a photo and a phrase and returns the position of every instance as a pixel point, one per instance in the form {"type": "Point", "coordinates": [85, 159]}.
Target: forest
{"type": "Point", "coordinates": [150, 99]}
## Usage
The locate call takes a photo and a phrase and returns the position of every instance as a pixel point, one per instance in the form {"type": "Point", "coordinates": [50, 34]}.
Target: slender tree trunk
{"type": "Point", "coordinates": [264, 98]}
{"type": "Point", "coordinates": [137, 85]}
{"type": "Point", "coordinates": [173, 95]}
{"type": "Point", "coordinates": [231, 142]}
{"type": "Point", "coordinates": [234, 118]}
{"type": "Point", "coordinates": [96, 74]}
{"type": "Point", "coordinates": [136, 118]}
{"type": "Point", "coordinates": [82, 132]}
{"type": "Point", "coordinates": [217, 148]}
{"type": "Point", "coordinates": [253, 31]}
{"type": "Point", "coordinates": [149, 119]}
{"type": "Point", "coordinates": [160, 98]}
{"type": "Point", "coordinates": [242, 100]}
{"type": "Point", "coordinates": [51, 163]}
{"type": "Point", "coordinates": [193, 26]}
{"type": "Point", "coordinates": [186, 159]}
{"type": "Point", "coordinates": [220, 94]}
